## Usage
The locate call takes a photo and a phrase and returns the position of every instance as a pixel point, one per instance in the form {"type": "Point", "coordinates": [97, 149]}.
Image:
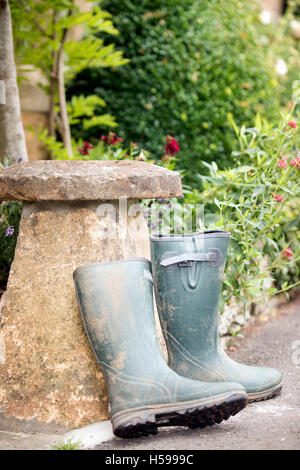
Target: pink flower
{"type": "Point", "coordinates": [283, 162]}
{"type": "Point", "coordinates": [292, 124]}
{"type": "Point", "coordinates": [278, 198]}
{"type": "Point", "coordinates": [287, 253]}
{"type": "Point", "coordinates": [85, 149]}
{"type": "Point", "coordinates": [296, 162]}
{"type": "Point", "coordinates": [171, 146]}
{"type": "Point", "coordinates": [111, 138]}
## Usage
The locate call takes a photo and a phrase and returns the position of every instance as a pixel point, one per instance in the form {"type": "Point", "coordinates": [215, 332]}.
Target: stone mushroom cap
{"type": "Point", "coordinates": [78, 180]}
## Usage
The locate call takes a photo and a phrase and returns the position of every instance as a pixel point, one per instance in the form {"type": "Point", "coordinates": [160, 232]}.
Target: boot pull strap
{"type": "Point", "coordinates": [213, 257]}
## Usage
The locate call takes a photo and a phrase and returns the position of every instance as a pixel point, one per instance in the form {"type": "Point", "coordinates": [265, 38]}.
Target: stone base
{"type": "Point", "coordinates": [49, 373]}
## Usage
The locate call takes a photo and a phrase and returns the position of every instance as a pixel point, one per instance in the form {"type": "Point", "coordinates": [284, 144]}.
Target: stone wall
{"type": "Point", "coordinates": [35, 113]}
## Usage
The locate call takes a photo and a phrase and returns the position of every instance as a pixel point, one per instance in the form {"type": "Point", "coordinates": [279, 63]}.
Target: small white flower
{"type": "Point", "coordinates": [295, 28]}
{"type": "Point", "coordinates": [264, 40]}
{"type": "Point", "coordinates": [281, 67]}
{"type": "Point", "coordinates": [265, 17]}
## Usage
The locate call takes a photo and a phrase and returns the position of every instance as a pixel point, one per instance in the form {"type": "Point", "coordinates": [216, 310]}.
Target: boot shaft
{"type": "Point", "coordinates": [116, 303]}
{"type": "Point", "coordinates": [188, 272]}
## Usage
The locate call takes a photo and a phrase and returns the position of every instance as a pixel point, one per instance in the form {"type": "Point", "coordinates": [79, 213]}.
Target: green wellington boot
{"type": "Point", "coordinates": [116, 303]}
{"type": "Point", "coordinates": [188, 272]}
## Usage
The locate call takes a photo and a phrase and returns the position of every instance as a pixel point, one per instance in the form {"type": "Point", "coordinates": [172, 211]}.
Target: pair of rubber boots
{"type": "Point", "coordinates": [200, 385]}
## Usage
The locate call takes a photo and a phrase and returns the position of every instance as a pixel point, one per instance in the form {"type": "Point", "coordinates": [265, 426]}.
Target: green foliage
{"type": "Point", "coordinates": [43, 34]}
{"type": "Point", "coordinates": [56, 148]}
{"type": "Point", "coordinates": [99, 149]}
{"type": "Point", "coordinates": [82, 110]}
{"type": "Point", "coordinates": [289, 227]}
{"type": "Point", "coordinates": [39, 28]}
{"type": "Point", "coordinates": [192, 63]}
{"type": "Point", "coordinates": [281, 46]}
{"type": "Point", "coordinates": [246, 200]}
{"type": "Point", "coordinates": [68, 445]}
{"type": "Point", "coordinates": [10, 213]}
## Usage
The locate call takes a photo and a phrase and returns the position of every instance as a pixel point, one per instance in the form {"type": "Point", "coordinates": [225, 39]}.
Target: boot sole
{"type": "Point", "coordinates": [143, 421]}
{"type": "Point", "coordinates": [266, 394]}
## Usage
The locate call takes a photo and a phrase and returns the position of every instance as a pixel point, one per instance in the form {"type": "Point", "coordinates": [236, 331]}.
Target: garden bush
{"type": "Point", "coordinates": [10, 213]}
{"type": "Point", "coordinates": [192, 63]}
{"type": "Point", "coordinates": [258, 202]}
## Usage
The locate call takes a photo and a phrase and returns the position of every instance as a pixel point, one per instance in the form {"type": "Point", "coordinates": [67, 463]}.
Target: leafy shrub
{"type": "Point", "coordinates": [283, 53]}
{"type": "Point", "coordinates": [43, 42]}
{"type": "Point", "coordinates": [258, 202]}
{"type": "Point", "coordinates": [10, 213]}
{"type": "Point", "coordinates": [109, 147]}
{"type": "Point", "coordinates": [192, 63]}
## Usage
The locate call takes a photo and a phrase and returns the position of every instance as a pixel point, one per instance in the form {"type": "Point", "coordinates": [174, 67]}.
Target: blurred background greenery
{"type": "Point", "coordinates": [192, 63]}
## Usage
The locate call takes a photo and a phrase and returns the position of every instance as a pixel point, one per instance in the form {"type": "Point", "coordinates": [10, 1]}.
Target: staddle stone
{"type": "Point", "coordinates": [73, 180]}
{"type": "Point", "coordinates": [74, 212]}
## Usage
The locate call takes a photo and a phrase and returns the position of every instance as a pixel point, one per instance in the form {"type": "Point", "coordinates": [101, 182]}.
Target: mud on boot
{"type": "Point", "coordinates": [188, 273]}
{"type": "Point", "coordinates": [116, 303]}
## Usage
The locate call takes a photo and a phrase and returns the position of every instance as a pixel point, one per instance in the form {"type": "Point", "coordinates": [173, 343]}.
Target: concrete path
{"type": "Point", "coordinates": [273, 424]}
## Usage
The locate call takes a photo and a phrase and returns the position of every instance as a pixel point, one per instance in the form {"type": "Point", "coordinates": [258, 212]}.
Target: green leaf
{"type": "Point", "coordinates": [258, 123]}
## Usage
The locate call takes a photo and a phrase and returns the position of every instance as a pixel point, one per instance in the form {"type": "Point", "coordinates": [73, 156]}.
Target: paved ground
{"type": "Point", "coordinates": [272, 424]}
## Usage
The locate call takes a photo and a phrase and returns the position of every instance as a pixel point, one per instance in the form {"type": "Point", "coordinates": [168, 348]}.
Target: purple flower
{"type": "Point", "coordinates": [20, 159]}
{"type": "Point", "coordinates": [9, 231]}
{"type": "Point", "coordinates": [162, 200]}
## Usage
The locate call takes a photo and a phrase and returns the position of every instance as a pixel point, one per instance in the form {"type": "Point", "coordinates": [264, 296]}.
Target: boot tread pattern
{"type": "Point", "coordinates": [192, 417]}
{"type": "Point", "coordinates": [267, 397]}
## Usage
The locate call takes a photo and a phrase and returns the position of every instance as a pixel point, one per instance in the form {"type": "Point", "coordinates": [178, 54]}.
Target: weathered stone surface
{"type": "Point", "coordinates": [76, 180]}
{"type": "Point", "coordinates": [49, 373]}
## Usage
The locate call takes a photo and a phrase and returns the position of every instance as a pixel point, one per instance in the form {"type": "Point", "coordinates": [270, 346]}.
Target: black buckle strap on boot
{"type": "Point", "coordinates": [213, 258]}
